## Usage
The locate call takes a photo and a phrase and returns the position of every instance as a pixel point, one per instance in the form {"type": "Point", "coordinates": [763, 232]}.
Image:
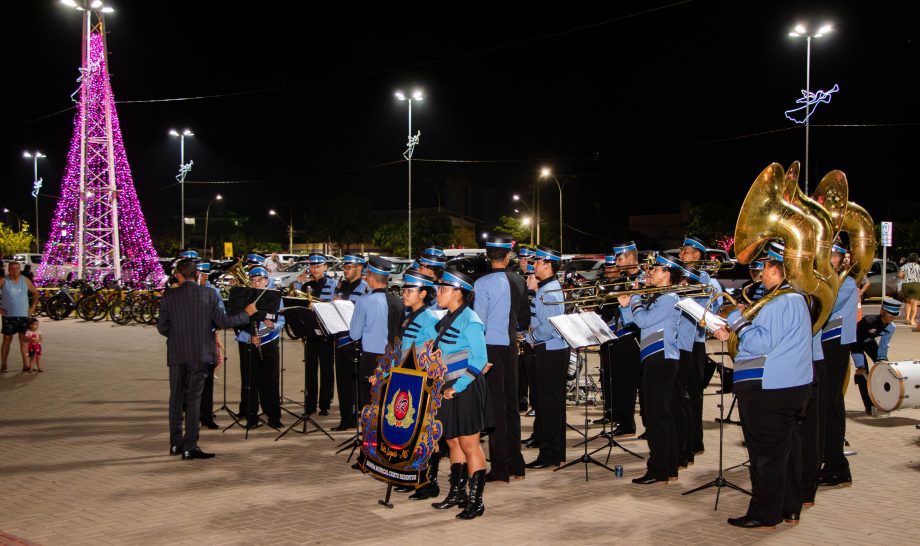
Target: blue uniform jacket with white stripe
{"type": "Point", "coordinates": [659, 322]}
{"type": "Point", "coordinates": [463, 347]}
{"type": "Point", "coordinates": [542, 330]}
{"type": "Point", "coordinates": [842, 322]}
{"type": "Point", "coordinates": [775, 349]}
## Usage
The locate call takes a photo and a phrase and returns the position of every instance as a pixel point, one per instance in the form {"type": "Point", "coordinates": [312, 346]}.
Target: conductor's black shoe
{"type": "Point", "coordinates": [623, 433]}
{"type": "Point", "coordinates": [791, 518]}
{"type": "Point", "coordinates": [602, 421]}
{"type": "Point", "coordinates": [531, 413]}
{"type": "Point", "coordinates": [324, 412]}
{"type": "Point", "coordinates": [525, 441]}
{"type": "Point", "coordinates": [174, 450]}
{"type": "Point", "coordinates": [403, 488]}
{"type": "Point", "coordinates": [276, 423]}
{"type": "Point", "coordinates": [644, 436]}
{"type": "Point", "coordinates": [343, 426]}
{"type": "Point", "coordinates": [747, 523]}
{"type": "Point", "coordinates": [833, 480]}
{"type": "Point", "coordinates": [648, 479]}
{"type": "Point", "coordinates": [538, 464]}
{"type": "Point", "coordinates": [196, 454]}
{"type": "Point", "coordinates": [495, 477]}
{"type": "Point", "coordinates": [210, 424]}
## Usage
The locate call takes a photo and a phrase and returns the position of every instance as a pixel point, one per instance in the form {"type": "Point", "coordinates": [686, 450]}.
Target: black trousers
{"type": "Point", "coordinates": [529, 365]}
{"type": "Point", "coordinates": [695, 387]}
{"type": "Point", "coordinates": [812, 434]}
{"type": "Point", "coordinates": [551, 369]}
{"type": "Point", "coordinates": [837, 361]}
{"type": "Point", "coordinates": [680, 407]}
{"type": "Point", "coordinates": [365, 370]}
{"type": "Point", "coordinates": [207, 396]}
{"type": "Point", "coordinates": [772, 421]}
{"type": "Point", "coordinates": [658, 377]}
{"type": "Point", "coordinates": [869, 349]}
{"type": "Point", "coordinates": [345, 383]}
{"type": "Point", "coordinates": [525, 392]}
{"type": "Point", "coordinates": [186, 382]}
{"type": "Point", "coordinates": [318, 359]}
{"type": "Point", "coordinates": [259, 381]}
{"type": "Point", "coordinates": [505, 440]}
{"type": "Point", "coordinates": [626, 373]}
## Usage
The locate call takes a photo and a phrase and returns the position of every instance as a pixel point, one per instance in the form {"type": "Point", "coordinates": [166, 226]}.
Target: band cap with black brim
{"type": "Point", "coordinates": [352, 259]}
{"type": "Point", "coordinates": [431, 260]}
{"type": "Point", "coordinates": [505, 243]}
{"type": "Point", "coordinates": [623, 248]}
{"type": "Point", "coordinates": [414, 278]}
{"type": "Point", "coordinates": [695, 243]}
{"type": "Point", "coordinates": [891, 306]}
{"type": "Point", "coordinates": [546, 253]}
{"type": "Point", "coordinates": [380, 266]}
{"type": "Point", "coordinates": [258, 272]}
{"type": "Point", "coordinates": [455, 279]}
{"type": "Point", "coordinates": [316, 259]}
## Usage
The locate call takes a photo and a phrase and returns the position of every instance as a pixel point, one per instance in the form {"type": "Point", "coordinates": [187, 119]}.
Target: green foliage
{"type": "Point", "coordinates": [427, 230]}
{"type": "Point", "coordinates": [513, 227]}
{"type": "Point", "coordinates": [712, 220]}
{"type": "Point", "coordinates": [14, 242]}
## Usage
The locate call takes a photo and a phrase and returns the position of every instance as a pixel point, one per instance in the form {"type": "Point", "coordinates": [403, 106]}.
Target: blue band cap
{"type": "Point", "coordinates": [623, 249]}
{"type": "Point", "coordinates": [352, 259]}
{"type": "Point", "coordinates": [891, 306]}
{"type": "Point", "coordinates": [190, 254]}
{"type": "Point", "coordinates": [550, 255]}
{"type": "Point", "coordinates": [525, 252]}
{"type": "Point", "coordinates": [378, 271]}
{"type": "Point", "coordinates": [255, 258]}
{"type": "Point", "coordinates": [507, 246]}
{"type": "Point", "coordinates": [692, 275]}
{"type": "Point", "coordinates": [695, 243]}
{"type": "Point", "coordinates": [258, 272]}
{"type": "Point", "coordinates": [775, 251]}
{"type": "Point", "coordinates": [411, 279]}
{"type": "Point", "coordinates": [449, 279]}
{"type": "Point", "coordinates": [203, 267]}
{"type": "Point", "coordinates": [610, 260]}
{"type": "Point", "coordinates": [837, 248]}
{"type": "Point", "coordinates": [758, 265]}
{"type": "Point", "coordinates": [316, 259]}
{"type": "Point", "coordinates": [430, 262]}
{"type": "Point", "coordinates": [664, 261]}
{"type": "Point", "coordinates": [434, 251]}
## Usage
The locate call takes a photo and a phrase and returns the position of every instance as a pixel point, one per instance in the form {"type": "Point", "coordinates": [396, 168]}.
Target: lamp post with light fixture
{"type": "Point", "coordinates": [799, 31]}
{"type": "Point", "coordinates": [183, 170]}
{"type": "Point", "coordinates": [547, 173]}
{"type": "Point", "coordinates": [36, 186]}
{"type": "Point", "coordinates": [410, 149]}
{"type": "Point", "coordinates": [207, 211]}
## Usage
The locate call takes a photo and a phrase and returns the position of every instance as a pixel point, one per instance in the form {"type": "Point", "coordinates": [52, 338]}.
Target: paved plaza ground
{"type": "Point", "coordinates": [83, 460]}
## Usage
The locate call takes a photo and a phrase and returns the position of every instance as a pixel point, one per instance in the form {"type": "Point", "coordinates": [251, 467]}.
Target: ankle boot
{"type": "Point", "coordinates": [431, 489]}
{"type": "Point", "coordinates": [475, 507]}
{"type": "Point", "coordinates": [457, 495]}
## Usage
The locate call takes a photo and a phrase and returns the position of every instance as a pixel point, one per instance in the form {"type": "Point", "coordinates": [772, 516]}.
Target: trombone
{"type": "Point", "coordinates": [600, 297]}
{"type": "Point", "coordinates": [712, 266]}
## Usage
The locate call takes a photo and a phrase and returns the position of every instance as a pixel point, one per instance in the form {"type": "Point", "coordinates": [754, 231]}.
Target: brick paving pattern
{"type": "Point", "coordinates": [83, 460]}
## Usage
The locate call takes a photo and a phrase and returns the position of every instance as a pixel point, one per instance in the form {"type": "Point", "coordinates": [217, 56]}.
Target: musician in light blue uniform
{"type": "Point", "coordinates": [693, 250]}
{"type": "Point", "coordinates": [685, 420]}
{"type": "Point", "coordinates": [264, 366]}
{"type": "Point", "coordinates": [351, 287]}
{"type": "Point", "coordinates": [659, 319]}
{"type": "Point", "coordinates": [836, 337]}
{"type": "Point", "coordinates": [465, 411]}
{"type": "Point", "coordinates": [551, 354]}
{"type": "Point", "coordinates": [773, 372]}
{"type": "Point", "coordinates": [318, 346]}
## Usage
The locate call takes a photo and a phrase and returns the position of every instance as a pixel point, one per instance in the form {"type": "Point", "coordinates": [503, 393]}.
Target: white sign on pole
{"type": "Point", "coordinates": [887, 230]}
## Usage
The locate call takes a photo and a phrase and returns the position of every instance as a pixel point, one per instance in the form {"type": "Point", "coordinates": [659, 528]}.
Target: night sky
{"type": "Point", "coordinates": [637, 107]}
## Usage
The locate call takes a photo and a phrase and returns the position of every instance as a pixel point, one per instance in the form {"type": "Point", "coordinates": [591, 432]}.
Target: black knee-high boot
{"type": "Point", "coordinates": [475, 507]}
{"type": "Point", "coordinates": [431, 489]}
{"type": "Point", "coordinates": [457, 495]}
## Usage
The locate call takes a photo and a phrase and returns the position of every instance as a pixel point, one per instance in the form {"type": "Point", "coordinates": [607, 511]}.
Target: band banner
{"type": "Point", "coordinates": [399, 426]}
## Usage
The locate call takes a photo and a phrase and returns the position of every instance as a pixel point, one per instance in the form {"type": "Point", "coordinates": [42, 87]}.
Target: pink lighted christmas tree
{"type": "Point", "coordinates": [98, 229]}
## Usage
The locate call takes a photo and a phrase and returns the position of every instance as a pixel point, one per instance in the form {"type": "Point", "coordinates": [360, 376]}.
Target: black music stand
{"type": "Point", "coordinates": [304, 417]}
{"type": "Point", "coordinates": [224, 406]}
{"type": "Point", "coordinates": [728, 418]}
{"type": "Point", "coordinates": [355, 441]}
{"type": "Point", "coordinates": [719, 481]}
{"type": "Point", "coordinates": [586, 457]}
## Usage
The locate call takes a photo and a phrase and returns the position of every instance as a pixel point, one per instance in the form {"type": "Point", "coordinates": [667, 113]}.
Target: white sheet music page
{"type": "Point", "coordinates": [329, 316]}
{"type": "Point", "coordinates": [574, 330]}
{"type": "Point", "coordinates": [695, 310]}
{"type": "Point", "coordinates": [598, 327]}
{"type": "Point", "coordinates": [346, 309]}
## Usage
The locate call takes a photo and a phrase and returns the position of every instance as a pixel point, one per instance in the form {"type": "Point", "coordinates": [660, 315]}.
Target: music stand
{"type": "Point", "coordinates": [586, 457]}
{"type": "Point", "coordinates": [728, 418]}
{"type": "Point", "coordinates": [719, 481]}
{"type": "Point", "coordinates": [354, 441]}
{"type": "Point", "coordinates": [304, 417]}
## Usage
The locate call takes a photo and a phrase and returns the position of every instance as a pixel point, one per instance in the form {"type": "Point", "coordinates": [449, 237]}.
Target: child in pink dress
{"type": "Point", "coordinates": [34, 337]}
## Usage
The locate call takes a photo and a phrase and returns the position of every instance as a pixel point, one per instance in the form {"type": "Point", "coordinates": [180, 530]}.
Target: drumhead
{"type": "Point", "coordinates": [893, 385]}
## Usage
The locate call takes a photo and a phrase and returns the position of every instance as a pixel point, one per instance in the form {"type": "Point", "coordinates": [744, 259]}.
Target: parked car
{"type": "Point", "coordinates": [581, 269]}
{"type": "Point", "coordinates": [288, 274]}
{"type": "Point", "coordinates": [875, 279]}
{"type": "Point", "coordinates": [477, 266]}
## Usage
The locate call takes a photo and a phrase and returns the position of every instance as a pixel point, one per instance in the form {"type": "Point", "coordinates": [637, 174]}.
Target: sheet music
{"type": "Point", "coordinates": [346, 309]}
{"type": "Point", "coordinates": [695, 310]}
{"type": "Point", "coordinates": [598, 327]}
{"type": "Point", "coordinates": [574, 330]}
{"type": "Point", "coordinates": [329, 316]}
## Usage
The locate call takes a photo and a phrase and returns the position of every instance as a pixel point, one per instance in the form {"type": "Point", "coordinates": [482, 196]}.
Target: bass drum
{"type": "Point", "coordinates": [895, 385]}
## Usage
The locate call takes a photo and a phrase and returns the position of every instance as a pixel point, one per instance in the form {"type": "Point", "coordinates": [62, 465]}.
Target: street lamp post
{"type": "Point", "coordinates": [546, 173]}
{"type": "Point", "coordinates": [798, 32]}
{"type": "Point", "coordinates": [207, 212]}
{"type": "Point", "coordinates": [183, 170]}
{"type": "Point", "coordinates": [410, 148]}
{"type": "Point", "coordinates": [290, 229]}
{"type": "Point", "coordinates": [36, 186]}
{"type": "Point", "coordinates": [7, 212]}
{"type": "Point", "coordinates": [526, 221]}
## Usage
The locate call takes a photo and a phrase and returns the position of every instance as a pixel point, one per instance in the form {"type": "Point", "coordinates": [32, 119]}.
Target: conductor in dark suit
{"type": "Point", "coordinates": [188, 314]}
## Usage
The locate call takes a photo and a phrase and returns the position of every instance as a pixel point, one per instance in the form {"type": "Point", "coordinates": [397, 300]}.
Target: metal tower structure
{"type": "Point", "coordinates": [98, 229]}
